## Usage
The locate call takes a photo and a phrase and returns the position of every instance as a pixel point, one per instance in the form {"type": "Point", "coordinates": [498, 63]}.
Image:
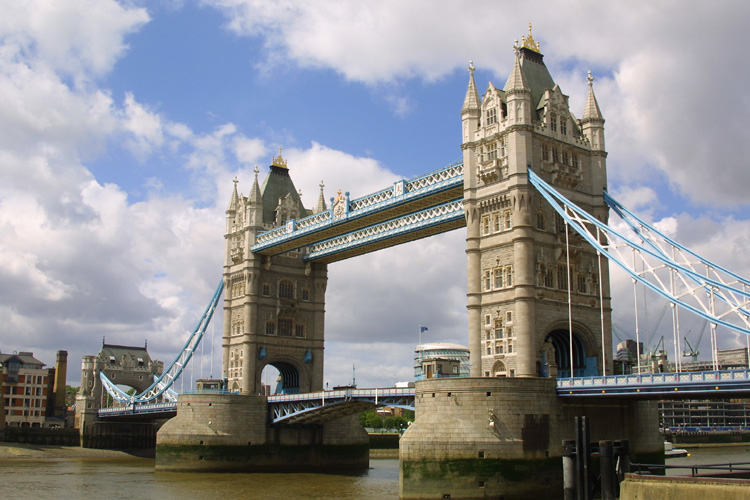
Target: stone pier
{"type": "Point", "coordinates": [477, 438]}
{"type": "Point", "coordinates": [231, 433]}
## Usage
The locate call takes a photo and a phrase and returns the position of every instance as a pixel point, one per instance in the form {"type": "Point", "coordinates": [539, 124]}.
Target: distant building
{"type": "Point", "coordinates": [27, 385]}
{"type": "Point", "coordinates": [441, 360]}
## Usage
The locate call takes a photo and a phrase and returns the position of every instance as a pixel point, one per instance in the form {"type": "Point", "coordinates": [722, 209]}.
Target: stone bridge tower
{"type": "Point", "coordinates": [518, 273]}
{"type": "Point", "coordinates": [274, 306]}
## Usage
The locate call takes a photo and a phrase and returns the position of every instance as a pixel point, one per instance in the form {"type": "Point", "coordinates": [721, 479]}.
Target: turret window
{"type": "Point", "coordinates": [491, 151]}
{"type": "Point", "coordinates": [286, 289]}
{"type": "Point", "coordinates": [545, 152]}
{"type": "Point", "coordinates": [576, 162]}
{"type": "Point", "coordinates": [553, 122]}
{"type": "Point", "coordinates": [565, 157]}
{"type": "Point", "coordinates": [491, 116]}
{"type": "Point", "coordinates": [285, 327]}
{"type": "Point", "coordinates": [563, 126]}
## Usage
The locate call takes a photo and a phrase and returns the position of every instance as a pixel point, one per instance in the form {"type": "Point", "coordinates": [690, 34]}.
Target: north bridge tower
{"type": "Point", "coordinates": [524, 268]}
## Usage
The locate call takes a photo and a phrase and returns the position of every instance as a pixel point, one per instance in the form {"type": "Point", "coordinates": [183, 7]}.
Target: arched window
{"type": "Point", "coordinates": [286, 289]}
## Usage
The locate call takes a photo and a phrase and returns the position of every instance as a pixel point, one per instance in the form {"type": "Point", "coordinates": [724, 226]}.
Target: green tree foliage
{"type": "Point", "coordinates": [371, 419]}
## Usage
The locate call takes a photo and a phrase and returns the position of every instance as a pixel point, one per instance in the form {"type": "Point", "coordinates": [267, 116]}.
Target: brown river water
{"type": "Point", "coordinates": [135, 478]}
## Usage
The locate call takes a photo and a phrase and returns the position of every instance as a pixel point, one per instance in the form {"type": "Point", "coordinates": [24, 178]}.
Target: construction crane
{"type": "Point", "coordinates": [692, 352]}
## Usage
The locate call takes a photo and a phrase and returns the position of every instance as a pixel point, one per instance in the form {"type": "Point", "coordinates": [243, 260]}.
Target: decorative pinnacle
{"type": "Point", "coordinates": [236, 181]}
{"type": "Point", "coordinates": [471, 67]}
{"type": "Point", "coordinates": [279, 161]}
{"type": "Point", "coordinates": [590, 79]}
{"type": "Point", "coordinates": [529, 43]}
{"type": "Point", "coordinates": [256, 170]}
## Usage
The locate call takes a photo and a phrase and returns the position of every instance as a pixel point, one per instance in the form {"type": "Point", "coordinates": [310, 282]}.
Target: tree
{"type": "Point", "coordinates": [371, 419]}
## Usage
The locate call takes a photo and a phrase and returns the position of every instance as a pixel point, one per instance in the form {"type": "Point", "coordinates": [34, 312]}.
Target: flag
{"type": "Point", "coordinates": [422, 329]}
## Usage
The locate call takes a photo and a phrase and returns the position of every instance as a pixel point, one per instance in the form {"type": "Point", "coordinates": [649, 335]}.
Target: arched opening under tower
{"type": "Point", "coordinates": [280, 377]}
{"type": "Point", "coordinates": [555, 360]}
{"type": "Point", "coordinates": [499, 369]}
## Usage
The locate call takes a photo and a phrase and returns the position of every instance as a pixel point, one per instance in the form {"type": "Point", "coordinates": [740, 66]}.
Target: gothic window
{"type": "Point", "coordinates": [270, 328]}
{"type": "Point", "coordinates": [299, 330]}
{"type": "Point", "coordinates": [305, 294]}
{"type": "Point", "coordinates": [563, 126]}
{"type": "Point", "coordinates": [487, 283]}
{"type": "Point", "coordinates": [285, 327]}
{"type": "Point", "coordinates": [503, 150]}
{"type": "Point", "coordinates": [491, 151]}
{"type": "Point", "coordinates": [581, 283]}
{"type": "Point", "coordinates": [498, 329]}
{"type": "Point", "coordinates": [498, 278]}
{"type": "Point", "coordinates": [499, 348]}
{"type": "Point", "coordinates": [553, 122]}
{"type": "Point", "coordinates": [497, 223]}
{"type": "Point", "coordinates": [286, 289]}
{"type": "Point", "coordinates": [545, 152]}
{"type": "Point", "coordinates": [562, 277]}
{"type": "Point", "coordinates": [266, 289]}
{"type": "Point", "coordinates": [559, 223]}
{"type": "Point", "coordinates": [489, 349]}
{"type": "Point", "coordinates": [565, 157]}
{"type": "Point", "coordinates": [576, 162]}
{"type": "Point", "coordinates": [509, 276]}
{"type": "Point", "coordinates": [554, 155]}
{"type": "Point", "coordinates": [487, 319]}
{"type": "Point", "coordinates": [510, 348]}
{"type": "Point", "coordinates": [508, 221]}
{"type": "Point", "coordinates": [491, 116]}
{"type": "Point", "coordinates": [509, 316]}
{"type": "Point", "coordinates": [486, 225]}
{"type": "Point", "coordinates": [540, 220]}
{"type": "Point", "coordinates": [548, 280]}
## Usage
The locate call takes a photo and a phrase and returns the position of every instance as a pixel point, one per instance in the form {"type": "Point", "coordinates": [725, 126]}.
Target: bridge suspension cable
{"type": "Point", "coordinates": [680, 275]}
{"type": "Point", "coordinates": [162, 385]}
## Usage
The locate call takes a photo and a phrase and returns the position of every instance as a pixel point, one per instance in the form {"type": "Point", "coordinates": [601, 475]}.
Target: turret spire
{"type": "Point", "coordinates": [472, 99]}
{"type": "Point", "coordinates": [592, 111]}
{"type": "Point", "coordinates": [321, 206]}
{"type": "Point", "coordinates": [255, 196]}
{"type": "Point", "coordinates": [516, 82]}
{"type": "Point", "coordinates": [235, 198]}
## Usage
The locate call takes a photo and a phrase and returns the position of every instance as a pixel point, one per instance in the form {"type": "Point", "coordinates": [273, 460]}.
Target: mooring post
{"type": "Point", "coordinates": [582, 458]}
{"type": "Point", "coordinates": [569, 469]}
{"type": "Point", "coordinates": [606, 462]}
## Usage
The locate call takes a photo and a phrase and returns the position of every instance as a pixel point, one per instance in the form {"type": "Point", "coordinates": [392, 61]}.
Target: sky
{"type": "Point", "coordinates": [122, 125]}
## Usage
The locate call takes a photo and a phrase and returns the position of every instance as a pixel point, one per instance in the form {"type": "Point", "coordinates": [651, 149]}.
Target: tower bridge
{"type": "Point", "coordinates": [530, 190]}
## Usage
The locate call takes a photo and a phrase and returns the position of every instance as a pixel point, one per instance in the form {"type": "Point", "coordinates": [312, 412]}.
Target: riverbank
{"type": "Point", "coordinates": [14, 451]}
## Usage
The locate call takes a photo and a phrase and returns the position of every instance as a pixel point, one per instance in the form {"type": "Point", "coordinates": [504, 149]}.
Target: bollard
{"type": "Point", "coordinates": [569, 469]}
{"type": "Point", "coordinates": [606, 462]}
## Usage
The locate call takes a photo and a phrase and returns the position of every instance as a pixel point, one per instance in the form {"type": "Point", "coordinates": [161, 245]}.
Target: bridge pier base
{"type": "Point", "coordinates": [231, 433]}
{"type": "Point", "coordinates": [502, 437]}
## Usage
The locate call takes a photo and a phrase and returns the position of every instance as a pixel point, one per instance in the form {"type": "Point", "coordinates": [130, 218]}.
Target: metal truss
{"type": "Point", "coordinates": [162, 385]}
{"type": "Point", "coordinates": [318, 407]}
{"type": "Point", "coordinates": [427, 190]}
{"type": "Point", "coordinates": [413, 226]}
{"type": "Point", "coordinates": [660, 264]}
{"type": "Point", "coordinates": [719, 384]}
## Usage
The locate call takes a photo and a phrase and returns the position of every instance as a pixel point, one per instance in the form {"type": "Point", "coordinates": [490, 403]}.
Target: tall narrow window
{"type": "Point", "coordinates": [562, 277]}
{"type": "Point", "coordinates": [286, 289]}
{"type": "Point", "coordinates": [487, 282]}
{"type": "Point", "coordinates": [545, 152]}
{"type": "Point", "coordinates": [503, 150]}
{"type": "Point", "coordinates": [498, 278]}
{"type": "Point", "coordinates": [491, 151]}
{"type": "Point", "coordinates": [540, 220]}
{"type": "Point", "coordinates": [553, 122]}
{"type": "Point", "coordinates": [563, 126]}
{"type": "Point", "coordinates": [581, 283]}
{"type": "Point", "coordinates": [498, 328]}
{"type": "Point", "coordinates": [509, 276]}
{"type": "Point", "coordinates": [508, 221]}
{"type": "Point", "coordinates": [491, 116]}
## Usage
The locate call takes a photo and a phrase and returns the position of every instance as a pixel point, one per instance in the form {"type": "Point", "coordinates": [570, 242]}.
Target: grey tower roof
{"type": "Point", "coordinates": [278, 184]}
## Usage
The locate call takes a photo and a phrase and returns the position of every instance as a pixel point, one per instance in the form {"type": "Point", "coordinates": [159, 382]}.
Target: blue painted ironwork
{"type": "Point", "coordinates": [139, 409]}
{"type": "Point", "coordinates": [449, 216]}
{"type": "Point", "coordinates": [694, 291]}
{"type": "Point", "coordinates": [317, 407]}
{"type": "Point", "coordinates": [163, 384]}
{"type": "Point", "coordinates": [425, 191]}
{"type": "Point", "coordinates": [675, 385]}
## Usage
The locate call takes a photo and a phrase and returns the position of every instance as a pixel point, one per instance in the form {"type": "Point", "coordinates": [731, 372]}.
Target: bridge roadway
{"type": "Point", "coordinates": [321, 406]}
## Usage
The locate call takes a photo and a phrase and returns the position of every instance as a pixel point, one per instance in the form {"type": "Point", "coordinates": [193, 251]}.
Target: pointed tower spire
{"type": "Point", "coordinates": [516, 82]}
{"type": "Point", "coordinates": [472, 100]}
{"type": "Point", "coordinates": [321, 206]}
{"type": "Point", "coordinates": [235, 198]}
{"type": "Point", "coordinates": [592, 111]}
{"type": "Point", "coordinates": [255, 196]}
{"type": "Point", "coordinates": [593, 122]}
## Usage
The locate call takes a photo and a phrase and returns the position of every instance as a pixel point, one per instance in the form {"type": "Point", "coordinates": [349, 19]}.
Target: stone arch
{"type": "Point", "coordinates": [499, 369]}
{"type": "Point", "coordinates": [555, 352]}
{"type": "Point", "coordinates": [292, 378]}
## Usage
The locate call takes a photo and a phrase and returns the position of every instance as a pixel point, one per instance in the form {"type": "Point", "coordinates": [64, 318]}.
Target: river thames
{"type": "Point", "coordinates": [135, 478]}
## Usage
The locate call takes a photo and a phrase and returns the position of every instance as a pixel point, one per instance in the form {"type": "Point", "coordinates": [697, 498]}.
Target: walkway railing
{"type": "Point", "coordinates": [676, 385]}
